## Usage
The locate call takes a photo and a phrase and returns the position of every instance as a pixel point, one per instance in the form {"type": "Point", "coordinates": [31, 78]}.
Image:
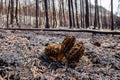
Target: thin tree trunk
{"type": "Point", "coordinates": [96, 20]}
{"type": "Point", "coordinates": [8, 11]}
{"type": "Point", "coordinates": [87, 14]}
{"type": "Point", "coordinates": [30, 13]}
{"type": "Point", "coordinates": [46, 12]}
{"type": "Point", "coordinates": [2, 10]}
{"type": "Point", "coordinates": [112, 23]}
{"type": "Point", "coordinates": [24, 14]}
{"type": "Point", "coordinates": [105, 20]}
{"type": "Point", "coordinates": [101, 17]}
{"type": "Point", "coordinates": [91, 17]}
{"type": "Point", "coordinates": [12, 12]}
{"type": "Point", "coordinates": [83, 12]}
{"type": "Point", "coordinates": [65, 22]}
{"type": "Point", "coordinates": [60, 13]}
{"type": "Point", "coordinates": [37, 10]}
{"type": "Point", "coordinates": [77, 21]}
{"type": "Point", "coordinates": [54, 15]}
{"type": "Point", "coordinates": [70, 19]}
{"type": "Point", "coordinates": [16, 13]}
{"type": "Point", "coordinates": [73, 18]}
{"type": "Point", "coordinates": [81, 22]}
{"type": "Point", "coordinates": [20, 13]}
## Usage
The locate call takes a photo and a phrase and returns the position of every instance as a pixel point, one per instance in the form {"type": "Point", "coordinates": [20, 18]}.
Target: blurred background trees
{"type": "Point", "coordinates": [58, 13]}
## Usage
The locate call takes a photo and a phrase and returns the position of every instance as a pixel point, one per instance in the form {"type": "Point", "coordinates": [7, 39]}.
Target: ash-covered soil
{"type": "Point", "coordinates": [22, 57]}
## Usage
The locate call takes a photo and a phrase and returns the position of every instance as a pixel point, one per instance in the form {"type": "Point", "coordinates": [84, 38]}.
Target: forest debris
{"type": "Point", "coordinates": [36, 72]}
{"type": "Point", "coordinates": [97, 44]}
{"type": "Point", "coordinates": [67, 50]}
{"type": "Point", "coordinates": [74, 79]}
{"type": "Point", "coordinates": [1, 78]}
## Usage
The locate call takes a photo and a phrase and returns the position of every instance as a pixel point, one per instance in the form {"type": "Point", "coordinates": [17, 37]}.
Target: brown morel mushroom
{"type": "Point", "coordinates": [53, 51]}
{"type": "Point", "coordinates": [65, 51]}
{"type": "Point", "coordinates": [57, 51]}
{"type": "Point", "coordinates": [68, 43]}
{"type": "Point", "coordinates": [75, 53]}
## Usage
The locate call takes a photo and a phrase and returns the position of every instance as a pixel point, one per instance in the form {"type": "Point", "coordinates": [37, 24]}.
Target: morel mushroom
{"type": "Point", "coordinates": [75, 53]}
{"type": "Point", "coordinates": [68, 43]}
{"type": "Point", "coordinates": [53, 51]}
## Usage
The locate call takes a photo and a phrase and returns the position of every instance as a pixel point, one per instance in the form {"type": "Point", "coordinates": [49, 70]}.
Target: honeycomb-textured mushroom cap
{"type": "Point", "coordinates": [53, 51]}
{"type": "Point", "coordinates": [68, 43]}
{"type": "Point", "coordinates": [75, 53]}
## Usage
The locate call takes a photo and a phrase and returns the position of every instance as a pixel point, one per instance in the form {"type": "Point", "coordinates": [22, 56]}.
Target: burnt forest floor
{"type": "Point", "coordinates": [22, 57]}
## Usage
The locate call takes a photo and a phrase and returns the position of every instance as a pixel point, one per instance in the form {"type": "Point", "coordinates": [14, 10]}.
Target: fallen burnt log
{"type": "Point", "coordinates": [65, 51]}
{"type": "Point", "coordinates": [66, 30]}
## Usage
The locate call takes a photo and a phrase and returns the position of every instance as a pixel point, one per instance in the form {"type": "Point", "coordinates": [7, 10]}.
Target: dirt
{"type": "Point", "coordinates": [22, 57]}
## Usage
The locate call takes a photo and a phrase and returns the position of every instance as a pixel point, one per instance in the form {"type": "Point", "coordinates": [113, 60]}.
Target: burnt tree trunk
{"type": "Point", "coordinates": [65, 22]}
{"type": "Point", "coordinates": [37, 10]}
{"type": "Point", "coordinates": [73, 18]}
{"type": "Point", "coordinates": [87, 14]}
{"type": "Point", "coordinates": [112, 23]}
{"type": "Point", "coordinates": [96, 20]}
{"type": "Point", "coordinates": [16, 13]}
{"type": "Point", "coordinates": [8, 11]}
{"type": "Point", "coordinates": [81, 22]}
{"type": "Point", "coordinates": [46, 14]}
{"type": "Point", "coordinates": [12, 12]}
{"type": "Point", "coordinates": [60, 14]}
{"type": "Point", "coordinates": [76, 6]}
{"type": "Point", "coordinates": [90, 14]}
{"type": "Point", "coordinates": [83, 12]}
{"type": "Point", "coordinates": [54, 15]}
{"type": "Point", "coordinates": [70, 19]}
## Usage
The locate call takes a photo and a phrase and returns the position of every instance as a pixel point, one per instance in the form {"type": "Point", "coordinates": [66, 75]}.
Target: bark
{"type": "Point", "coordinates": [73, 18]}
{"type": "Point", "coordinates": [37, 10]}
{"type": "Point", "coordinates": [12, 12]}
{"type": "Point", "coordinates": [77, 20]}
{"type": "Point", "coordinates": [46, 14]}
{"type": "Point", "coordinates": [16, 13]}
{"type": "Point", "coordinates": [112, 23]}
{"type": "Point", "coordinates": [70, 19]}
{"type": "Point", "coordinates": [81, 15]}
{"type": "Point", "coordinates": [54, 15]}
{"type": "Point", "coordinates": [60, 14]}
{"type": "Point", "coordinates": [96, 20]}
{"type": "Point", "coordinates": [8, 11]}
{"type": "Point", "coordinates": [91, 16]}
{"type": "Point", "coordinates": [64, 17]}
{"type": "Point", "coordinates": [87, 14]}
